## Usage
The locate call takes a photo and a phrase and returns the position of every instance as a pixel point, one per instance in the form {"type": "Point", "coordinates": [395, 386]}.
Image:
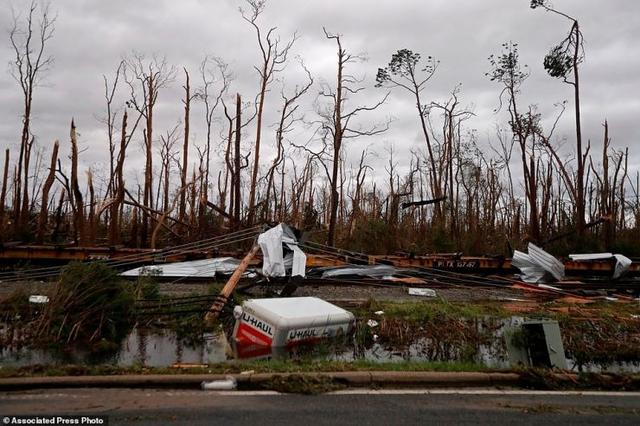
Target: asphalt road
{"type": "Point", "coordinates": [358, 407]}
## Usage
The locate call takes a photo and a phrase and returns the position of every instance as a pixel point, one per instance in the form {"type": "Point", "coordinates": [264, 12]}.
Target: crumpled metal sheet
{"type": "Point", "coordinates": [536, 264]}
{"type": "Point", "coordinates": [273, 259]}
{"type": "Point", "coordinates": [548, 262]}
{"type": "Point", "coordinates": [530, 272]}
{"type": "Point", "coordinates": [205, 268]}
{"type": "Point", "coordinates": [376, 271]}
{"type": "Point", "coordinates": [622, 262]}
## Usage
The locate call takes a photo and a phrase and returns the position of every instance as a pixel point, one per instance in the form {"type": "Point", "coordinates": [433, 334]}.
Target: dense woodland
{"type": "Point", "coordinates": [457, 195]}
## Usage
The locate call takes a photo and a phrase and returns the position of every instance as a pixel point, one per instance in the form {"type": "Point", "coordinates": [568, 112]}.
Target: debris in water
{"type": "Point", "coordinates": [279, 322]}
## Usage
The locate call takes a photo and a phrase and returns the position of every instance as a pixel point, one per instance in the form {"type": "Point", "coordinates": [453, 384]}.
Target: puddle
{"type": "Point", "coordinates": [162, 348]}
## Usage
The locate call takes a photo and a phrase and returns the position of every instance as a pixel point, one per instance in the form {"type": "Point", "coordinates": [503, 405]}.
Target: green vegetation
{"type": "Point", "coordinates": [89, 303]}
{"type": "Point", "coordinates": [418, 312]}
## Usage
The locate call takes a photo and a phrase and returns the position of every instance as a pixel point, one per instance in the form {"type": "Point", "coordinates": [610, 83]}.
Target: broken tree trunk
{"type": "Point", "coordinates": [42, 220]}
{"type": "Point", "coordinates": [228, 288]}
{"type": "Point", "coordinates": [79, 225]}
{"type": "Point", "coordinates": [3, 192]}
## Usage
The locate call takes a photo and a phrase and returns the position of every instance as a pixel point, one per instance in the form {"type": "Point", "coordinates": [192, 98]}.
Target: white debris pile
{"type": "Point", "coordinates": [273, 244]}
{"type": "Point", "coordinates": [424, 292]}
{"type": "Point", "coordinates": [537, 265]}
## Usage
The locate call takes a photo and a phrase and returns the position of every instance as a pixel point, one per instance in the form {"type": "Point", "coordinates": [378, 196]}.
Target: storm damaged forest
{"type": "Point", "coordinates": [314, 152]}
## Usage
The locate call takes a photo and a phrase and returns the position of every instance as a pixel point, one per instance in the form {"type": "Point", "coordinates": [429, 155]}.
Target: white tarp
{"type": "Point", "coordinates": [536, 264]}
{"type": "Point", "coordinates": [622, 262]}
{"type": "Point", "coordinates": [205, 268]}
{"type": "Point", "coordinates": [273, 259]}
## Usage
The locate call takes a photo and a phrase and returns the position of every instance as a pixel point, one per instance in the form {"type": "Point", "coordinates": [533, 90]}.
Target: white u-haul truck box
{"type": "Point", "coordinates": [289, 321]}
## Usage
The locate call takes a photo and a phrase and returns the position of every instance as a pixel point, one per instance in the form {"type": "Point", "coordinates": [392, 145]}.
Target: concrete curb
{"type": "Point", "coordinates": [398, 379]}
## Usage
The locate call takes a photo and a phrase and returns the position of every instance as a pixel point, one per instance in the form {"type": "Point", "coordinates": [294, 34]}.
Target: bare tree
{"type": "Point", "coordinates": [42, 221]}
{"type": "Point", "coordinates": [79, 219]}
{"type": "Point", "coordinates": [29, 38]}
{"type": "Point", "coordinates": [145, 79]}
{"type": "Point", "coordinates": [337, 121]}
{"type": "Point", "coordinates": [188, 96]}
{"type": "Point", "coordinates": [274, 56]}
{"type": "Point", "coordinates": [3, 192]}
{"type": "Point", "coordinates": [285, 125]}
{"type": "Point", "coordinates": [110, 122]}
{"type": "Point", "coordinates": [214, 72]}
{"type": "Point", "coordinates": [453, 116]}
{"type": "Point", "coordinates": [168, 156]}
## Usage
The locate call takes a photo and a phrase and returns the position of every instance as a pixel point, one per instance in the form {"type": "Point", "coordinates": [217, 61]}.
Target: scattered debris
{"type": "Point", "coordinates": [36, 298]}
{"type": "Point", "coordinates": [229, 383]}
{"type": "Point", "coordinates": [379, 312]}
{"type": "Point", "coordinates": [372, 323]}
{"type": "Point", "coordinates": [405, 280]}
{"type": "Point", "coordinates": [425, 292]}
{"type": "Point", "coordinates": [187, 366]}
{"type": "Point", "coordinates": [549, 287]}
{"type": "Point", "coordinates": [376, 271]}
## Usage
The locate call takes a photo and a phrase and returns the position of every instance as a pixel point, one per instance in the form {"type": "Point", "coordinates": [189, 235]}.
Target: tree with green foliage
{"type": "Point", "coordinates": [563, 62]}
{"type": "Point", "coordinates": [405, 71]}
{"type": "Point", "coordinates": [506, 69]}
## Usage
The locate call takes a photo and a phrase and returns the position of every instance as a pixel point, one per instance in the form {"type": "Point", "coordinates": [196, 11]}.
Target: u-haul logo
{"type": "Point", "coordinates": [256, 323]}
{"type": "Point", "coordinates": [309, 333]}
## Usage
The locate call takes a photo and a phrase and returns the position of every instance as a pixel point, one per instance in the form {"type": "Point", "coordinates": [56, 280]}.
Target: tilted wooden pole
{"type": "Point", "coordinates": [228, 288]}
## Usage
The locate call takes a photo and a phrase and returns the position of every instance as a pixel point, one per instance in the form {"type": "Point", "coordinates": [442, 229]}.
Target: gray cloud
{"type": "Point", "coordinates": [92, 36]}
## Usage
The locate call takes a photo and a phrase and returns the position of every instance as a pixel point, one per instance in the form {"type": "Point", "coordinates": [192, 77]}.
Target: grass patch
{"type": "Point", "coordinates": [417, 312]}
{"type": "Point", "coordinates": [303, 384]}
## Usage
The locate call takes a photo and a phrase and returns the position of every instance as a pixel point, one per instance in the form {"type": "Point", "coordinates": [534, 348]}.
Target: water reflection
{"type": "Point", "coordinates": [162, 348]}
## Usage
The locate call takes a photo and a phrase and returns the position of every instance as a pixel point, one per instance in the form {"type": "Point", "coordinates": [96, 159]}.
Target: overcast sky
{"type": "Point", "coordinates": [93, 35]}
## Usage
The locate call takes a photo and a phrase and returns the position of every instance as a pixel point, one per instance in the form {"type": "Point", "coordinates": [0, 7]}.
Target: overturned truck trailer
{"type": "Point", "coordinates": [282, 322]}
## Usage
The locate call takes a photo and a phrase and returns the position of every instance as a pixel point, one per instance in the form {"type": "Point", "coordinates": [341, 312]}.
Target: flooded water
{"type": "Point", "coordinates": [163, 348]}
